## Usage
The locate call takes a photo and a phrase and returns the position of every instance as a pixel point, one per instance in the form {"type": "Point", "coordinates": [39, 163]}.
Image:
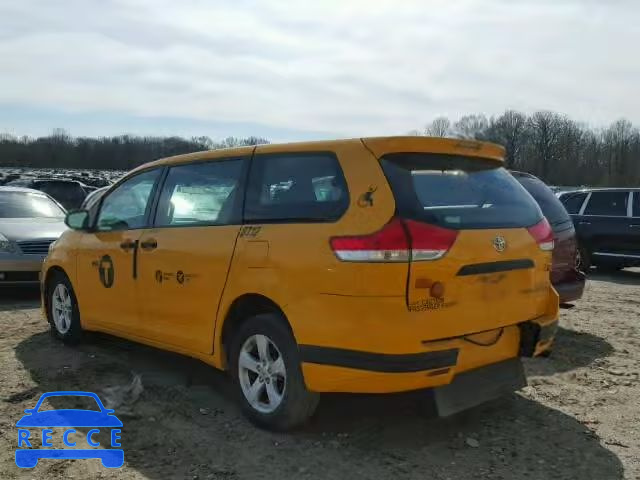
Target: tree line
{"type": "Point", "coordinates": [554, 147]}
{"type": "Point", "coordinates": [124, 152]}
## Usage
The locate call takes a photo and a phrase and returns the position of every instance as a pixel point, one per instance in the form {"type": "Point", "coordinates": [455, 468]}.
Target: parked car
{"type": "Point", "coordinates": [607, 222]}
{"type": "Point", "coordinates": [368, 265]}
{"type": "Point", "coordinates": [29, 222]}
{"type": "Point", "coordinates": [69, 193]}
{"type": "Point", "coordinates": [566, 277]}
{"type": "Point", "coordinates": [93, 197]}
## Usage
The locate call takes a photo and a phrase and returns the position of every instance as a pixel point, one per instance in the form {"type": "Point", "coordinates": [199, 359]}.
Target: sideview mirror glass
{"type": "Point", "coordinates": [77, 220]}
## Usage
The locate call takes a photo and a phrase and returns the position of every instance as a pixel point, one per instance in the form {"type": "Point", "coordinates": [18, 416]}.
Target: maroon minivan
{"type": "Point", "coordinates": [565, 276]}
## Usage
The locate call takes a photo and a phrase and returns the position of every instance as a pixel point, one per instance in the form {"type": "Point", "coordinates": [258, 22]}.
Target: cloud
{"type": "Point", "coordinates": [349, 67]}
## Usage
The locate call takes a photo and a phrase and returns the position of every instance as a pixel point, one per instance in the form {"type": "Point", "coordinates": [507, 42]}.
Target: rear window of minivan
{"type": "Point", "coordinates": [552, 208]}
{"type": "Point", "coordinates": [458, 192]}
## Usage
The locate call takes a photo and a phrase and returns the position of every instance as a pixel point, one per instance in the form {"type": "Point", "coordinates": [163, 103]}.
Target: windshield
{"type": "Point", "coordinates": [458, 192]}
{"type": "Point", "coordinates": [28, 205]}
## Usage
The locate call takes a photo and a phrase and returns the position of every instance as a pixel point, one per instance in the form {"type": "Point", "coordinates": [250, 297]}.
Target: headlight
{"type": "Point", "coordinates": [7, 246]}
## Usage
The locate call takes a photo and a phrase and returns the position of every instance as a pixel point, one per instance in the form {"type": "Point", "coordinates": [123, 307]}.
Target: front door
{"type": "Point", "coordinates": [184, 257]}
{"type": "Point", "coordinates": [106, 286]}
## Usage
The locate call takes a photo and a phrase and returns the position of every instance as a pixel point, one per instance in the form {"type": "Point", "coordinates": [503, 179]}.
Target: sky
{"type": "Point", "coordinates": [293, 70]}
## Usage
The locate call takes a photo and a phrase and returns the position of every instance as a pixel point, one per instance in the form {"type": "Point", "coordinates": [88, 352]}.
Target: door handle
{"type": "Point", "coordinates": [584, 223]}
{"type": "Point", "coordinates": [150, 244]}
{"type": "Point", "coordinates": [128, 245]}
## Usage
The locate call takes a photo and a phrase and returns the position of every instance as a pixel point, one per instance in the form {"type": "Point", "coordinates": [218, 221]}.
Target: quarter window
{"type": "Point", "coordinates": [125, 207]}
{"type": "Point", "coordinates": [296, 187]}
{"type": "Point", "coordinates": [613, 204]}
{"type": "Point", "coordinates": [205, 193]}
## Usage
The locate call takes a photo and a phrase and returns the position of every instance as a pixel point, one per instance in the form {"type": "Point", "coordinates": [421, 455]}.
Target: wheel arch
{"type": "Point", "coordinates": [51, 271]}
{"type": "Point", "coordinates": [241, 309]}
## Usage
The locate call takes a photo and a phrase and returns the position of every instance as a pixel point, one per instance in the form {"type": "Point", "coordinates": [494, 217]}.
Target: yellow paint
{"type": "Point", "coordinates": [329, 303]}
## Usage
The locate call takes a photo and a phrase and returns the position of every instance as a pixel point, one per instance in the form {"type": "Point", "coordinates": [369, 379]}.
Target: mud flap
{"type": "Point", "coordinates": [475, 387]}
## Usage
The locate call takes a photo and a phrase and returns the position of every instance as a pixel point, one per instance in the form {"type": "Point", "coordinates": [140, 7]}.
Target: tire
{"type": "Point", "coordinates": [62, 309]}
{"type": "Point", "coordinates": [275, 398]}
{"type": "Point", "coordinates": [583, 262]}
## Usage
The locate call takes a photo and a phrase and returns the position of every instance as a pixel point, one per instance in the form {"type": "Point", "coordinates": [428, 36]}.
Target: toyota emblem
{"type": "Point", "coordinates": [499, 243]}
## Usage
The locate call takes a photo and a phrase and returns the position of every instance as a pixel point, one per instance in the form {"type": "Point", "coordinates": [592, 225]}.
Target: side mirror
{"type": "Point", "coordinates": [77, 220]}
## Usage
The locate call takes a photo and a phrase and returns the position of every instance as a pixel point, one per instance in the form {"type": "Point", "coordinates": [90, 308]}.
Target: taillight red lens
{"type": "Point", "coordinates": [429, 242]}
{"type": "Point", "coordinates": [387, 245]}
{"type": "Point", "coordinates": [391, 243]}
{"type": "Point", "coordinates": [542, 234]}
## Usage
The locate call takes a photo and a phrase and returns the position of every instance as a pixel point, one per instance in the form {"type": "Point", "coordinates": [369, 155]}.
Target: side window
{"type": "Point", "coordinates": [201, 194]}
{"type": "Point", "coordinates": [636, 203]}
{"type": "Point", "coordinates": [573, 202]}
{"type": "Point", "coordinates": [290, 187]}
{"type": "Point", "coordinates": [612, 204]}
{"type": "Point", "coordinates": [125, 207]}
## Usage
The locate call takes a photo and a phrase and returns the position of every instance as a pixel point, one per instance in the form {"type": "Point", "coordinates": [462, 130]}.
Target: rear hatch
{"type": "Point", "coordinates": [479, 245]}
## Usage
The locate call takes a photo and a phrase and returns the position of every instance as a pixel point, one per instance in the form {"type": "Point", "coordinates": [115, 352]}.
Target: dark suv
{"type": "Point", "coordinates": [567, 279]}
{"type": "Point", "coordinates": [607, 222]}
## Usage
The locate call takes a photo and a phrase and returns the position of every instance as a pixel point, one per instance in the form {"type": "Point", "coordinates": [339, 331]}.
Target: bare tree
{"type": "Point", "coordinates": [439, 127]}
{"type": "Point", "coordinates": [471, 126]}
{"type": "Point", "coordinates": [544, 129]}
{"type": "Point", "coordinates": [510, 130]}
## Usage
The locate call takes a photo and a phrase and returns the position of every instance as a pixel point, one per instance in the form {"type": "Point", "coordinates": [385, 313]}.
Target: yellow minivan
{"type": "Point", "coordinates": [367, 265]}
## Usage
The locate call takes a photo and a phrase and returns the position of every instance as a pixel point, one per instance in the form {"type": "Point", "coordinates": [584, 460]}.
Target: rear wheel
{"type": "Point", "coordinates": [62, 311]}
{"type": "Point", "coordinates": [265, 364]}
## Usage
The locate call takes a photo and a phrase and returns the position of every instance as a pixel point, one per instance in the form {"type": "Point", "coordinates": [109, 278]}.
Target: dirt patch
{"type": "Point", "coordinates": [578, 418]}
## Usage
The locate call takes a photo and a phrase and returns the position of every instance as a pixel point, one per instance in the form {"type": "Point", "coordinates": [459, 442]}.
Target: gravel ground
{"type": "Point", "coordinates": [579, 417]}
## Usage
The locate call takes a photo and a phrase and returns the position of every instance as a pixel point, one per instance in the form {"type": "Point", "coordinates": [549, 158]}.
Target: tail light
{"type": "Point", "coordinates": [542, 234]}
{"type": "Point", "coordinates": [398, 241]}
{"type": "Point", "coordinates": [429, 242]}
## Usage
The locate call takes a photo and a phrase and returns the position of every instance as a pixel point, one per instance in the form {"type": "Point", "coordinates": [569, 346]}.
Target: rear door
{"type": "Point", "coordinates": [476, 263]}
{"type": "Point", "coordinates": [184, 258]}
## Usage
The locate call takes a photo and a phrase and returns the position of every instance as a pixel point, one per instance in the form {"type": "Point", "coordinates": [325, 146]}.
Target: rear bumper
{"type": "Point", "coordinates": [20, 269]}
{"type": "Point", "coordinates": [570, 287]}
{"type": "Point", "coordinates": [338, 370]}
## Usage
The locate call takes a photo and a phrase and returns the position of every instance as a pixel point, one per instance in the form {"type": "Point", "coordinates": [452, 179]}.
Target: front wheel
{"type": "Point", "coordinates": [266, 367]}
{"type": "Point", "coordinates": [62, 311]}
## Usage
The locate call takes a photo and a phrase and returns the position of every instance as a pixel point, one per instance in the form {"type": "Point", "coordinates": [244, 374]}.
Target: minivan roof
{"type": "Point", "coordinates": [378, 146]}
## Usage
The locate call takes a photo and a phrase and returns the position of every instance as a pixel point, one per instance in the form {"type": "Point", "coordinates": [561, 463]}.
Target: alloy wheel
{"type": "Point", "coordinates": [262, 373]}
{"type": "Point", "coordinates": [62, 308]}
